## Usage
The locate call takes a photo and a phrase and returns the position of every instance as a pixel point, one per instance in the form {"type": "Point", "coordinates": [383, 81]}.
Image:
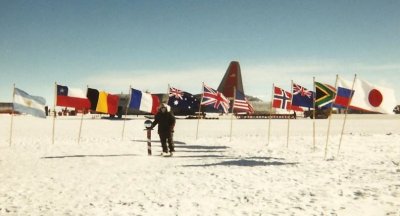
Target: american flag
{"type": "Point", "coordinates": [213, 97]}
{"type": "Point", "coordinates": [241, 103]}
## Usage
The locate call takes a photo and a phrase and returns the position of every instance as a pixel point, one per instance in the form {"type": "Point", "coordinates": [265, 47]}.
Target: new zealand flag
{"type": "Point", "coordinates": [302, 97]}
{"type": "Point", "coordinates": [182, 102]}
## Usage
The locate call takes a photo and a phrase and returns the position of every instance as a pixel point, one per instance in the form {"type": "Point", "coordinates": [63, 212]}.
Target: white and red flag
{"type": "Point", "coordinates": [71, 97]}
{"type": "Point", "coordinates": [370, 97]}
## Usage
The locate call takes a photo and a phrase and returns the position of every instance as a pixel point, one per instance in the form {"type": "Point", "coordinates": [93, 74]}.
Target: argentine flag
{"type": "Point", "coordinates": [29, 104]}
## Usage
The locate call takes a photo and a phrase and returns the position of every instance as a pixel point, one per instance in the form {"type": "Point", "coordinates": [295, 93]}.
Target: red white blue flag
{"type": "Point", "coordinates": [217, 100]}
{"type": "Point", "coordinates": [302, 96]}
{"type": "Point", "coordinates": [241, 103]}
{"type": "Point", "coordinates": [182, 101]}
{"type": "Point", "coordinates": [282, 100]}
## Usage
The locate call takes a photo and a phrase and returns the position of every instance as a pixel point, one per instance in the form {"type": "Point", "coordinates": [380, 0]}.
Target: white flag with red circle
{"type": "Point", "coordinates": [370, 97]}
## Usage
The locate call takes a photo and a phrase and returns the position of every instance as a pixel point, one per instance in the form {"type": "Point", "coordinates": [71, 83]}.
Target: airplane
{"type": "Point", "coordinates": [232, 79]}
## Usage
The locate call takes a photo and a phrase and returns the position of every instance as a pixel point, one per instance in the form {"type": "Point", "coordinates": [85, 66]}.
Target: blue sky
{"type": "Point", "coordinates": [110, 45]}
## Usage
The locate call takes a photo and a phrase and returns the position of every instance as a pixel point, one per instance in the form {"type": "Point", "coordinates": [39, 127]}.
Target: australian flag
{"type": "Point", "coordinates": [302, 97]}
{"type": "Point", "coordinates": [183, 102]}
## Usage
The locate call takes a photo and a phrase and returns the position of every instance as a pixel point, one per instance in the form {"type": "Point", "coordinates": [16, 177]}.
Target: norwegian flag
{"type": "Point", "coordinates": [241, 103]}
{"type": "Point", "coordinates": [302, 96]}
{"type": "Point", "coordinates": [213, 97]}
{"type": "Point", "coordinates": [282, 100]}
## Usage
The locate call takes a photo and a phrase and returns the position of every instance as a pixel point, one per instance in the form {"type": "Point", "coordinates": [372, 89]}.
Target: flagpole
{"type": "Point", "coordinates": [330, 118]}
{"type": "Point", "coordinates": [198, 115]}
{"type": "Point", "coordinates": [345, 114]}
{"type": "Point", "coordinates": [270, 112]}
{"type": "Point", "coordinates": [80, 126]}
{"type": "Point", "coordinates": [12, 115]}
{"type": "Point", "coordinates": [234, 97]}
{"type": "Point", "coordinates": [54, 116]}
{"type": "Point", "coordinates": [314, 96]}
{"type": "Point", "coordinates": [126, 111]}
{"type": "Point", "coordinates": [291, 99]}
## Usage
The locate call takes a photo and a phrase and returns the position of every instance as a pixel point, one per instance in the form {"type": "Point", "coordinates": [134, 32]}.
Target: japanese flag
{"type": "Point", "coordinates": [371, 97]}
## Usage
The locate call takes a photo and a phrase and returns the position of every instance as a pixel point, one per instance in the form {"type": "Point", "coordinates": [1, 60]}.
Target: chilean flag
{"type": "Point", "coordinates": [71, 97]}
{"type": "Point", "coordinates": [144, 101]}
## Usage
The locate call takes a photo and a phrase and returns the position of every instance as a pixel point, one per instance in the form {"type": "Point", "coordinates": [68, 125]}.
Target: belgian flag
{"type": "Point", "coordinates": [102, 101]}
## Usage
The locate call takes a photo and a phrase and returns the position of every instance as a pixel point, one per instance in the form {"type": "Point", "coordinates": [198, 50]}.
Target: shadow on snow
{"type": "Point", "coordinates": [250, 162]}
{"type": "Point", "coordinates": [81, 156]}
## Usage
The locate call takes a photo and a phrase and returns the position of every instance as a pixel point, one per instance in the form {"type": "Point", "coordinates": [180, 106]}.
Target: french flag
{"type": "Point", "coordinates": [144, 101]}
{"type": "Point", "coordinates": [71, 97]}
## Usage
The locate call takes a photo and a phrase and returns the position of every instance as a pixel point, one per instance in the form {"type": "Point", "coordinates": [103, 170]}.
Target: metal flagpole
{"type": "Point", "coordinates": [315, 95]}
{"type": "Point", "coordinates": [198, 115]}
{"type": "Point", "coordinates": [270, 112]}
{"type": "Point", "coordinates": [80, 126]}
{"type": "Point", "coordinates": [126, 111]}
{"type": "Point", "coordinates": [12, 115]}
{"type": "Point", "coordinates": [330, 118]}
{"type": "Point", "coordinates": [291, 99]}
{"type": "Point", "coordinates": [345, 114]}
{"type": "Point", "coordinates": [54, 109]}
{"type": "Point", "coordinates": [234, 97]}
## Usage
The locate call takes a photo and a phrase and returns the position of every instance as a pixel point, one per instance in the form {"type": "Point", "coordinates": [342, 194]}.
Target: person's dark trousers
{"type": "Point", "coordinates": [164, 138]}
{"type": "Point", "coordinates": [171, 143]}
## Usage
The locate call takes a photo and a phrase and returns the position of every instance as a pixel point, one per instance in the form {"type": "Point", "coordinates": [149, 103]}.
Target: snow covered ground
{"type": "Point", "coordinates": [105, 175]}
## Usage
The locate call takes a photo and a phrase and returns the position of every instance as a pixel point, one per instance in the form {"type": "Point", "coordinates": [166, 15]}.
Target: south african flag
{"type": "Point", "coordinates": [325, 94]}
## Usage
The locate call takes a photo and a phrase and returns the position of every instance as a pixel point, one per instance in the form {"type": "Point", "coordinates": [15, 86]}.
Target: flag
{"type": "Point", "coordinates": [282, 100]}
{"type": "Point", "coordinates": [302, 96]}
{"type": "Point", "coordinates": [25, 103]}
{"type": "Point", "coordinates": [215, 98]}
{"type": "Point", "coordinates": [343, 97]}
{"type": "Point", "coordinates": [370, 97]}
{"type": "Point", "coordinates": [102, 102]}
{"type": "Point", "coordinates": [343, 93]}
{"type": "Point", "coordinates": [324, 95]}
{"type": "Point", "coordinates": [71, 97]}
{"type": "Point", "coordinates": [183, 101]}
{"type": "Point", "coordinates": [144, 101]}
{"type": "Point", "coordinates": [241, 103]}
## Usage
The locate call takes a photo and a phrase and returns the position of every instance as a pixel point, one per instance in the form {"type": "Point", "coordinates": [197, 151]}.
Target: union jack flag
{"type": "Point", "coordinates": [302, 96]}
{"type": "Point", "coordinates": [213, 97]}
{"type": "Point", "coordinates": [174, 92]}
{"type": "Point", "coordinates": [241, 103]}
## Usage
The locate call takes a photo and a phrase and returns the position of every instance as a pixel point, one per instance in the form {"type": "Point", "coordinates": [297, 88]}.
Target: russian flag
{"type": "Point", "coordinates": [144, 101]}
{"type": "Point", "coordinates": [71, 97]}
{"type": "Point", "coordinates": [343, 97]}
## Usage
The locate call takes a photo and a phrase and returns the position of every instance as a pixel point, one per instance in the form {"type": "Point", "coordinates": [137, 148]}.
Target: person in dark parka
{"type": "Point", "coordinates": [166, 123]}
